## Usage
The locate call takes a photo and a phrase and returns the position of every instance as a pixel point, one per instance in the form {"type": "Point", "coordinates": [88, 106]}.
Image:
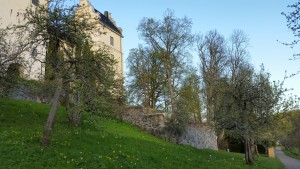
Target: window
{"type": "Point", "coordinates": [35, 2]}
{"type": "Point", "coordinates": [112, 41]}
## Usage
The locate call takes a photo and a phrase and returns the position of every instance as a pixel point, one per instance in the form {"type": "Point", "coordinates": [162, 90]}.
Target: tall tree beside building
{"type": "Point", "coordinates": [146, 76]}
{"type": "Point", "coordinates": [170, 36]}
{"type": "Point", "coordinates": [213, 58]}
{"type": "Point", "coordinates": [73, 65]}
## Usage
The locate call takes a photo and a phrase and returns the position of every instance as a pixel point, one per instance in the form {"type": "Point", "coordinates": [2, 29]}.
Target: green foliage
{"type": "Point", "coordinates": [189, 106]}
{"type": "Point", "coordinates": [90, 79]}
{"type": "Point", "coordinates": [189, 98]}
{"type": "Point", "coordinates": [171, 37]}
{"type": "Point", "coordinates": [98, 143]}
{"type": "Point", "coordinates": [85, 74]}
{"type": "Point", "coordinates": [291, 138]}
{"type": "Point", "coordinates": [213, 57]}
{"type": "Point", "coordinates": [295, 152]}
{"type": "Point", "coordinates": [146, 83]}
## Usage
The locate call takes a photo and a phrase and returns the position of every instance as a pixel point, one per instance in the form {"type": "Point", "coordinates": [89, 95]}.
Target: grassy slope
{"type": "Point", "coordinates": [97, 144]}
{"type": "Point", "coordinates": [291, 154]}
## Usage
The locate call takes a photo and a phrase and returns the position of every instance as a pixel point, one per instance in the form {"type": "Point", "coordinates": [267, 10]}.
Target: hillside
{"type": "Point", "coordinates": [98, 143]}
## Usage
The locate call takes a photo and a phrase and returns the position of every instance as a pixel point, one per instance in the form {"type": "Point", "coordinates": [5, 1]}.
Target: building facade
{"type": "Point", "coordinates": [111, 35]}
{"type": "Point", "coordinates": [11, 13]}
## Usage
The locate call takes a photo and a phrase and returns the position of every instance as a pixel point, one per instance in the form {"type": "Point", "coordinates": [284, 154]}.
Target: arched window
{"type": "Point", "coordinates": [15, 70]}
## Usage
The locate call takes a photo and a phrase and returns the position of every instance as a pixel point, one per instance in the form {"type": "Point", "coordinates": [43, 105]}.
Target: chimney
{"type": "Point", "coordinates": [107, 14]}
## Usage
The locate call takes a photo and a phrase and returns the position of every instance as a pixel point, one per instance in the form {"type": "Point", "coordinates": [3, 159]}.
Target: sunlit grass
{"type": "Point", "coordinates": [98, 143]}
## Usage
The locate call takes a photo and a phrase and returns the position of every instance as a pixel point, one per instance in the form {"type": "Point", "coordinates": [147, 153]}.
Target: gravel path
{"type": "Point", "coordinates": [289, 162]}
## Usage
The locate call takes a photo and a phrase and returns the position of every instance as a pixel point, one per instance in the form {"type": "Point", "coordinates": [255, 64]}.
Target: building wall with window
{"type": "Point", "coordinates": [12, 13]}
{"type": "Point", "coordinates": [111, 35]}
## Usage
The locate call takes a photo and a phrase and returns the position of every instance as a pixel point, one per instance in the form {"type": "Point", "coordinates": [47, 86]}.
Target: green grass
{"type": "Point", "coordinates": [98, 143]}
{"type": "Point", "coordinates": [291, 153]}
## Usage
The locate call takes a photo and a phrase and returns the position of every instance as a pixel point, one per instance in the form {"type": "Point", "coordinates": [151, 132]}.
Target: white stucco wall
{"type": "Point", "coordinates": [11, 13]}
{"type": "Point", "coordinates": [104, 38]}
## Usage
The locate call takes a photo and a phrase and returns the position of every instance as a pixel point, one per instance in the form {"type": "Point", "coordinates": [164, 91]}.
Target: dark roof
{"type": "Point", "coordinates": [106, 21]}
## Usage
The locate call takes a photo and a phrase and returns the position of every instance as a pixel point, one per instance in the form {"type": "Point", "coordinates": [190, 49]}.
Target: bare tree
{"type": "Point", "coordinates": [237, 51]}
{"type": "Point", "coordinates": [293, 24]}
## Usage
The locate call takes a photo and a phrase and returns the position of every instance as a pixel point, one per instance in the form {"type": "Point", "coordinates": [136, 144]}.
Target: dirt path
{"type": "Point", "coordinates": [289, 162]}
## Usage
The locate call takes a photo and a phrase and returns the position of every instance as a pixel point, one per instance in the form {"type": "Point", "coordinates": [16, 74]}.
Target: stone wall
{"type": "Point", "coordinates": [199, 136]}
{"type": "Point", "coordinates": [146, 119]}
{"type": "Point", "coordinates": [154, 122]}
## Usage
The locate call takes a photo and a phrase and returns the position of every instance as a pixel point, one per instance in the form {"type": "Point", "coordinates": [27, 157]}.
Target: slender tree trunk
{"type": "Point", "coordinates": [52, 113]}
{"type": "Point", "coordinates": [76, 114]}
{"type": "Point", "coordinates": [256, 150]}
{"type": "Point", "coordinates": [220, 139]}
{"type": "Point", "coordinates": [171, 88]}
{"type": "Point", "coordinates": [249, 157]}
{"type": "Point", "coordinates": [67, 97]}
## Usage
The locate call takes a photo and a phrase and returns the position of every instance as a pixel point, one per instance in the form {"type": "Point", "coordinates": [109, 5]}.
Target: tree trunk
{"type": "Point", "coordinates": [171, 88]}
{"type": "Point", "coordinates": [220, 139]}
{"type": "Point", "coordinates": [75, 115]}
{"type": "Point", "coordinates": [249, 156]}
{"type": "Point", "coordinates": [256, 150]}
{"type": "Point", "coordinates": [209, 94]}
{"type": "Point", "coordinates": [52, 113]}
{"type": "Point", "coordinates": [67, 97]}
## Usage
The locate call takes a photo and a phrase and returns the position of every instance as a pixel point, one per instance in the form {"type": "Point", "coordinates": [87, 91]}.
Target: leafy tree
{"type": "Point", "coordinates": [170, 36]}
{"type": "Point", "coordinates": [213, 57]}
{"type": "Point", "coordinates": [76, 70]}
{"type": "Point", "coordinates": [291, 139]}
{"type": "Point", "coordinates": [247, 106]}
{"type": "Point", "coordinates": [189, 98]}
{"type": "Point", "coordinates": [90, 76]}
{"type": "Point", "coordinates": [146, 76]}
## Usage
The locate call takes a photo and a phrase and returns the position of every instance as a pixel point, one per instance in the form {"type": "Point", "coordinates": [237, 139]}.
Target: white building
{"type": "Point", "coordinates": [11, 13]}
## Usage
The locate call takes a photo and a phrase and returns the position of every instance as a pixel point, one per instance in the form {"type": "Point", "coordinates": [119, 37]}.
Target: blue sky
{"type": "Point", "coordinates": [261, 20]}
